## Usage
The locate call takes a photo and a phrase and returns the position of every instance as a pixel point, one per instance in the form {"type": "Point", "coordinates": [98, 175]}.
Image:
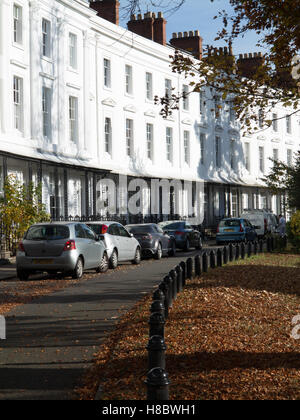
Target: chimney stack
{"type": "Point", "coordinates": [107, 9]}
{"type": "Point", "coordinates": [188, 41]}
{"type": "Point", "coordinates": [151, 27]}
{"type": "Point", "coordinates": [248, 64]}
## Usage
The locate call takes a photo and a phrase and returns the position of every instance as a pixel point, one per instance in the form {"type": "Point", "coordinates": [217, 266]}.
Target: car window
{"type": "Point", "coordinates": [113, 230]}
{"type": "Point", "coordinates": [79, 231]}
{"type": "Point", "coordinates": [140, 229]}
{"type": "Point", "coordinates": [173, 226]}
{"type": "Point", "coordinates": [188, 226]}
{"type": "Point", "coordinates": [47, 232]}
{"type": "Point", "coordinates": [123, 232]}
{"type": "Point", "coordinates": [230, 223]}
{"type": "Point", "coordinates": [88, 232]}
{"type": "Point", "coordinates": [97, 229]}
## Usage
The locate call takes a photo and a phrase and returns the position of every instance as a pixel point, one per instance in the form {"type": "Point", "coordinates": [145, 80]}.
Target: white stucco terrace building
{"type": "Point", "coordinates": [77, 105]}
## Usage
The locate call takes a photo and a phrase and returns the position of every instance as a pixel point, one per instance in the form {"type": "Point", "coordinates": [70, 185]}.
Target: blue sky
{"type": "Point", "coordinates": [199, 14]}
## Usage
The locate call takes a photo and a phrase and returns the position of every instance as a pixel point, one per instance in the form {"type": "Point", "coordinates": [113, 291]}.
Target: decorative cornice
{"type": "Point", "coordinates": [187, 121]}
{"type": "Point", "coordinates": [130, 108]}
{"type": "Point", "coordinates": [150, 113]}
{"type": "Point", "coordinates": [109, 102]}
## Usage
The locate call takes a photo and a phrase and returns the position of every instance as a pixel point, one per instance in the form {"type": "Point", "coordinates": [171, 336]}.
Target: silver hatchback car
{"type": "Point", "coordinates": [69, 248]}
{"type": "Point", "coordinates": [119, 243]}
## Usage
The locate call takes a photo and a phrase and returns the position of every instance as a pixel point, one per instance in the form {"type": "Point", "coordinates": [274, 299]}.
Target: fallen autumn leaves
{"type": "Point", "coordinates": [228, 336]}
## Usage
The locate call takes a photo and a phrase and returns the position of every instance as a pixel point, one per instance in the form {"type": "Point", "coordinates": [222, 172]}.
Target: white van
{"type": "Point", "coordinates": [259, 219]}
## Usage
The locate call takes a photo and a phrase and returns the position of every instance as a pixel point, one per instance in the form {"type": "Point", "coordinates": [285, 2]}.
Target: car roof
{"type": "Point", "coordinates": [101, 222]}
{"type": "Point", "coordinates": [141, 224]}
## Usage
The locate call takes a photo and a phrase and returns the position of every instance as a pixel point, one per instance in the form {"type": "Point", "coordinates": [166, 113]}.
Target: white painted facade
{"type": "Point", "coordinates": [63, 74]}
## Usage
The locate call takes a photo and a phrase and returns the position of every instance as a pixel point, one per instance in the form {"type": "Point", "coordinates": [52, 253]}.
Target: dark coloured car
{"type": "Point", "coordinates": [153, 240]}
{"type": "Point", "coordinates": [185, 235]}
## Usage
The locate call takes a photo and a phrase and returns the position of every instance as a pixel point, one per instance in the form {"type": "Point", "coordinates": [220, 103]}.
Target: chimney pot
{"type": "Point", "coordinates": [174, 35]}
{"type": "Point", "coordinates": [197, 33]}
{"type": "Point", "coordinates": [179, 34]}
{"type": "Point", "coordinates": [140, 17]}
{"type": "Point", "coordinates": [160, 15]}
{"type": "Point", "coordinates": [185, 34]}
{"type": "Point", "coordinates": [191, 34]}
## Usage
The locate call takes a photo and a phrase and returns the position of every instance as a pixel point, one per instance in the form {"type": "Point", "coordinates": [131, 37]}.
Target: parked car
{"type": "Point", "coordinates": [265, 221]}
{"type": "Point", "coordinates": [119, 243]}
{"type": "Point", "coordinates": [235, 230]}
{"type": "Point", "coordinates": [69, 248]}
{"type": "Point", "coordinates": [153, 240]}
{"type": "Point", "coordinates": [185, 235]}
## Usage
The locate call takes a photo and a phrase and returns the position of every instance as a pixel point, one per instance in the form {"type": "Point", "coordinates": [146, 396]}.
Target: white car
{"type": "Point", "coordinates": [119, 243]}
{"type": "Point", "coordinates": [259, 219]}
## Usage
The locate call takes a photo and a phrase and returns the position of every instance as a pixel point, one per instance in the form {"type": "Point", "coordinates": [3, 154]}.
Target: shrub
{"type": "Point", "coordinates": [294, 230]}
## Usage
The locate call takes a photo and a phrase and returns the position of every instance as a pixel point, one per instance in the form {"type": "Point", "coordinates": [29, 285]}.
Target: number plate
{"type": "Point", "coordinates": [229, 230]}
{"type": "Point", "coordinates": [42, 261]}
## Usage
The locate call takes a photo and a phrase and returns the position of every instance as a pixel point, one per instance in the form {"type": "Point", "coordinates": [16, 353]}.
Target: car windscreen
{"type": "Point", "coordinates": [140, 229]}
{"type": "Point", "coordinates": [174, 226]}
{"type": "Point", "coordinates": [96, 228]}
{"type": "Point", "coordinates": [47, 232]}
{"type": "Point", "coordinates": [230, 223]}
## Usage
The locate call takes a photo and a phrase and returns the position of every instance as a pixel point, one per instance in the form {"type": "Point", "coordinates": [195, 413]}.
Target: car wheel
{"type": "Point", "coordinates": [137, 257]}
{"type": "Point", "coordinates": [187, 245]}
{"type": "Point", "coordinates": [158, 253]}
{"type": "Point", "coordinates": [103, 266]}
{"type": "Point", "coordinates": [172, 251]}
{"type": "Point", "coordinates": [113, 262]}
{"type": "Point", "coordinates": [78, 271]}
{"type": "Point", "coordinates": [199, 246]}
{"type": "Point", "coordinates": [22, 275]}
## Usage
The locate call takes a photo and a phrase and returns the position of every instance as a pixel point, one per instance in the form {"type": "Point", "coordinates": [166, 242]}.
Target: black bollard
{"type": "Point", "coordinates": [189, 268]}
{"type": "Point", "coordinates": [157, 324]}
{"type": "Point", "coordinates": [169, 283]}
{"type": "Point", "coordinates": [219, 258]}
{"type": "Point", "coordinates": [164, 288]}
{"type": "Point", "coordinates": [268, 244]}
{"type": "Point", "coordinates": [197, 266]}
{"type": "Point", "coordinates": [157, 306]}
{"type": "Point", "coordinates": [204, 262]}
{"type": "Point", "coordinates": [243, 250]}
{"type": "Point", "coordinates": [255, 248]}
{"type": "Point", "coordinates": [212, 259]}
{"type": "Point", "coordinates": [156, 352]}
{"type": "Point", "coordinates": [237, 251]}
{"type": "Point", "coordinates": [179, 278]}
{"type": "Point", "coordinates": [261, 246]}
{"type": "Point", "coordinates": [225, 255]}
{"type": "Point", "coordinates": [183, 278]}
{"type": "Point", "coordinates": [230, 252]}
{"type": "Point", "coordinates": [157, 385]}
{"type": "Point", "coordinates": [173, 276]}
{"type": "Point", "coordinates": [249, 250]}
{"type": "Point", "coordinates": [272, 243]}
{"type": "Point", "coordinates": [158, 294]}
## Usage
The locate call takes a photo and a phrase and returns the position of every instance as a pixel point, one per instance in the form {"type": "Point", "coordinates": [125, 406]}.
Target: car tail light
{"type": "Point", "coordinates": [218, 229]}
{"type": "Point", "coordinates": [241, 228]}
{"type": "Point", "coordinates": [69, 245]}
{"type": "Point", "coordinates": [148, 236]}
{"type": "Point", "coordinates": [21, 247]}
{"type": "Point", "coordinates": [104, 229]}
{"type": "Point", "coordinates": [179, 232]}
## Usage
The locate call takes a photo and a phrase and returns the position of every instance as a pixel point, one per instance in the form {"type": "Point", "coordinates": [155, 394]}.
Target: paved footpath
{"type": "Point", "coordinates": [51, 341]}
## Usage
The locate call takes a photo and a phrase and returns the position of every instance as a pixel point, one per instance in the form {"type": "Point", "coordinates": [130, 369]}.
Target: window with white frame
{"type": "Point", "coordinates": [288, 121]}
{"type": "Point", "coordinates": [275, 122]}
{"type": "Point", "coordinates": [202, 102]}
{"type": "Point", "coordinates": [46, 111]}
{"type": "Point", "coordinates": [185, 97]}
{"type": "Point", "coordinates": [128, 79]}
{"type": "Point", "coordinates": [18, 24]}
{"type": "Point", "coordinates": [186, 145]}
{"type": "Point", "coordinates": [275, 154]}
{"type": "Point", "coordinates": [149, 86]}
{"type": "Point", "coordinates": [260, 118]}
{"type": "Point", "coordinates": [149, 134]}
{"type": "Point", "coordinates": [218, 151]}
{"type": "Point", "coordinates": [107, 72]}
{"type": "Point", "coordinates": [232, 154]}
{"type": "Point", "coordinates": [289, 157]}
{"type": "Point", "coordinates": [46, 38]}
{"type": "Point", "coordinates": [129, 137]}
{"type": "Point", "coordinates": [218, 107]}
{"type": "Point", "coordinates": [169, 144]}
{"type": "Point", "coordinates": [168, 88]}
{"type": "Point", "coordinates": [261, 154]}
{"type": "Point", "coordinates": [108, 135]}
{"type": "Point", "coordinates": [202, 148]}
{"type": "Point", "coordinates": [234, 203]}
{"type": "Point", "coordinates": [18, 102]}
{"type": "Point", "coordinates": [231, 112]}
{"type": "Point", "coordinates": [73, 51]}
{"type": "Point", "coordinates": [247, 156]}
{"type": "Point", "coordinates": [73, 119]}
